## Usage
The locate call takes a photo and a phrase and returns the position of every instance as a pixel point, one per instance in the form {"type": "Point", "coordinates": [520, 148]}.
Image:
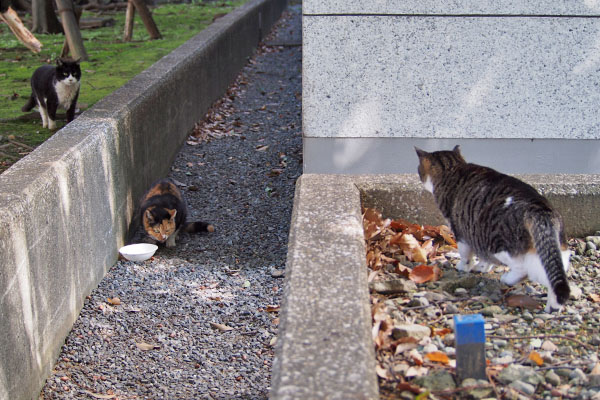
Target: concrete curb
{"type": "Point", "coordinates": [324, 348]}
{"type": "Point", "coordinates": [66, 207]}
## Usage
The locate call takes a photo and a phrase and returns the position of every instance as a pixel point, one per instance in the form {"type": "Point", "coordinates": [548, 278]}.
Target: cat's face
{"type": "Point", "coordinates": [159, 223]}
{"type": "Point", "coordinates": [68, 71]}
{"type": "Point", "coordinates": [432, 165]}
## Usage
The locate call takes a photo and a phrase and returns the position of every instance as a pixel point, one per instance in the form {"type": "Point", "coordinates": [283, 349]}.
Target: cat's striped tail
{"type": "Point", "coordinates": [546, 231]}
{"type": "Point", "coordinates": [29, 105]}
{"type": "Point", "coordinates": [198, 226]}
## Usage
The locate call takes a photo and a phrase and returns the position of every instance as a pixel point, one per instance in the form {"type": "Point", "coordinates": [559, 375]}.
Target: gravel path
{"type": "Point", "coordinates": [200, 321]}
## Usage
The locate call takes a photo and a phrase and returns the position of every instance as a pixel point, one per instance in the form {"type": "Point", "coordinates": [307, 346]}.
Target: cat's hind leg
{"type": "Point", "coordinates": [517, 265]}
{"type": "Point", "coordinates": [43, 113]}
{"type": "Point", "coordinates": [466, 257]}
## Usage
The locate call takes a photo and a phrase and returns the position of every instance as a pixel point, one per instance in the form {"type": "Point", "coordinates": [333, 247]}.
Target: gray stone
{"type": "Point", "coordinates": [552, 378]}
{"type": "Point", "coordinates": [480, 392]}
{"type": "Point", "coordinates": [579, 375]}
{"type": "Point", "coordinates": [418, 302]}
{"type": "Point", "coordinates": [491, 310]}
{"type": "Point", "coordinates": [436, 380]}
{"type": "Point", "coordinates": [593, 381]}
{"type": "Point", "coordinates": [591, 246]}
{"type": "Point", "coordinates": [564, 372]}
{"type": "Point", "coordinates": [394, 286]}
{"type": "Point", "coordinates": [451, 309]}
{"type": "Point", "coordinates": [411, 330]}
{"type": "Point", "coordinates": [518, 372]}
{"type": "Point", "coordinates": [523, 387]}
{"type": "Point", "coordinates": [595, 240]}
{"type": "Point", "coordinates": [435, 296]}
{"type": "Point", "coordinates": [576, 292]}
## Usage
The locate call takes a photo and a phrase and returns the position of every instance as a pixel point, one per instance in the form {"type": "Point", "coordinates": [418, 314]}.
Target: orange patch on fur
{"type": "Point", "coordinates": [163, 188]}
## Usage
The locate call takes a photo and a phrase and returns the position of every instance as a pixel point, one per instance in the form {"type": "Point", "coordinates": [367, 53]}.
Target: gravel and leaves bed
{"type": "Point", "coordinates": [416, 290]}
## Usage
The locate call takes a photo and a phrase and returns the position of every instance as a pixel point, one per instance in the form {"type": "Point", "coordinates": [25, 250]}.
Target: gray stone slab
{"type": "Point", "coordinates": [433, 77]}
{"type": "Point", "coordinates": [67, 205]}
{"type": "Point", "coordinates": [456, 7]}
{"type": "Point", "coordinates": [324, 346]}
{"type": "Point", "coordinates": [397, 155]}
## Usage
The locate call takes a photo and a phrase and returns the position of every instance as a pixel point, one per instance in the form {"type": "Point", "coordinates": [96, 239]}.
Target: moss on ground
{"type": "Point", "coordinates": [112, 62]}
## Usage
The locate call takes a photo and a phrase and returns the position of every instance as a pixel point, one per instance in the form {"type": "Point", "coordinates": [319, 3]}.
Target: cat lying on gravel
{"type": "Point", "coordinates": [501, 220]}
{"type": "Point", "coordinates": [164, 214]}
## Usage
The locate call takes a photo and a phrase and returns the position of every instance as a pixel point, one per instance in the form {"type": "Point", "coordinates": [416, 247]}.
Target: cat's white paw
{"type": "Point", "coordinates": [463, 266]}
{"type": "Point", "coordinates": [170, 241]}
{"type": "Point", "coordinates": [51, 124]}
{"type": "Point", "coordinates": [483, 266]}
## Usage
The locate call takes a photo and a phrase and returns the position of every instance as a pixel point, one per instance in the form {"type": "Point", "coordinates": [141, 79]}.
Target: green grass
{"type": "Point", "coordinates": [112, 62]}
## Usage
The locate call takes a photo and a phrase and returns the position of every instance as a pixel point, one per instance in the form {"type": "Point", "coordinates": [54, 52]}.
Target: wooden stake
{"type": "Point", "coordinates": [13, 21]}
{"type": "Point", "coordinates": [129, 14]}
{"type": "Point", "coordinates": [146, 17]}
{"type": "Point", "coordinates": [71, 27]}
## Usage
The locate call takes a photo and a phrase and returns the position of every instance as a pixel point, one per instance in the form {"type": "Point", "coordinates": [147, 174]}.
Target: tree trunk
{"type": "Point", "coordinates": [146, 17]}
{"type": "Point", "coordinates": [71, 27]}
{"type": "Point", "coordinates": [44, 18]}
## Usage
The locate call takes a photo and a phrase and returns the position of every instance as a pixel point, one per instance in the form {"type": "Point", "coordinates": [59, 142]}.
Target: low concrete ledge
{"type": "Point", "coordinates": [324, 348]}
{"type": "Point", "coordinates": [66, 207]}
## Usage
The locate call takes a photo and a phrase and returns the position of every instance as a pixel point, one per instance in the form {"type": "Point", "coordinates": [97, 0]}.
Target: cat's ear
{"type": "Point", "coordinates": [59, 62]}
{"type": "Point", "coordinates": [149, 216]}
{"type": "Point", "coordinates": [420, 153]}
{"type": "Point", "coordinates": [172, 213]}
{"type": "Point", "coordinates": [77, 61]}
{"type": "Point", "coordinates": [456, 150]}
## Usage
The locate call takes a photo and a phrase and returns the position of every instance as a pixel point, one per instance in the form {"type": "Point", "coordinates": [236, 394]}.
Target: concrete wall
{"type": "Point", "coordinates": [66, 207]}
{"type": "Point", "coordinates": [383, 76]}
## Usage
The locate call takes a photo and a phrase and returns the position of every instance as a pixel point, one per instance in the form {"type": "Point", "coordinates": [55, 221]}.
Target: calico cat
{"type": "Point", "coordinates": [52, 87]}
{"type": "Point", "coordinates": [501, 220]}
{"type": "Point", "coordinates": [164, 213]}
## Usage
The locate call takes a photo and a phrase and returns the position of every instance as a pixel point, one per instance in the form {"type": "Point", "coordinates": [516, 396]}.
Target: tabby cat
{"type": "Point", "coordinates": [52, 87]}
{"type": "Point", "coordinates": [501, 220]}
{"type": "Point", "coordinates": [164, 214]}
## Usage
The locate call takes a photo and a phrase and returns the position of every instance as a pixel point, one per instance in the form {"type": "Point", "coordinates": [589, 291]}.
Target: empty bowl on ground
{"type": "Point", "coordinates": [138, 251]}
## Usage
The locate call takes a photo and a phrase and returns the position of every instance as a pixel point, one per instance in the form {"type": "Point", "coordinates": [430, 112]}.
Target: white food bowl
{"type": "Point", "coordinates": [138, 251]}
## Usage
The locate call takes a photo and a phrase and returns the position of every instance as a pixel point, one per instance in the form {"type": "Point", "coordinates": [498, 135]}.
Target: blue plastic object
{"type": "Point", "coordinates": [469, 329]}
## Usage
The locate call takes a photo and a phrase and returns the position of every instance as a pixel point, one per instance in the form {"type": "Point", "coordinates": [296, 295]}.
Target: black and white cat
{"type": "Point", "coordinates": [501, 220]}
{"type": "Point", "coordinates": [53, 87]}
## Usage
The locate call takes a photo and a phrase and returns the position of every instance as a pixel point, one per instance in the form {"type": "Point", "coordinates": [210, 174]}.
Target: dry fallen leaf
{"type": "Point", "coordinates": [524, 301]}
{"type": "Point", "coordinates": [536, 358]}
{"type": "Point", "coordinates": [381, 372]}
{"type": "Point", "coordinates": [596, 369]}
{"type": "Point", "coordinates": [438, 356]}
{"type": "Point", "coordinates": [146, 346]}
{"type": "Point", "coordinates": [221, 327]}
{"type": "Point", "coordinates": [115, 301]}
{"type": "Point", "coordinates": [411, 247]}
{"type": "Point", "coordinates": [424, 273]}
{"type": "Point", "coordinates": [595, 297]}
{"type": "Point", "coordinates": [272, 308]}
{"type": "Point", "coordinates": [447, 235]}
